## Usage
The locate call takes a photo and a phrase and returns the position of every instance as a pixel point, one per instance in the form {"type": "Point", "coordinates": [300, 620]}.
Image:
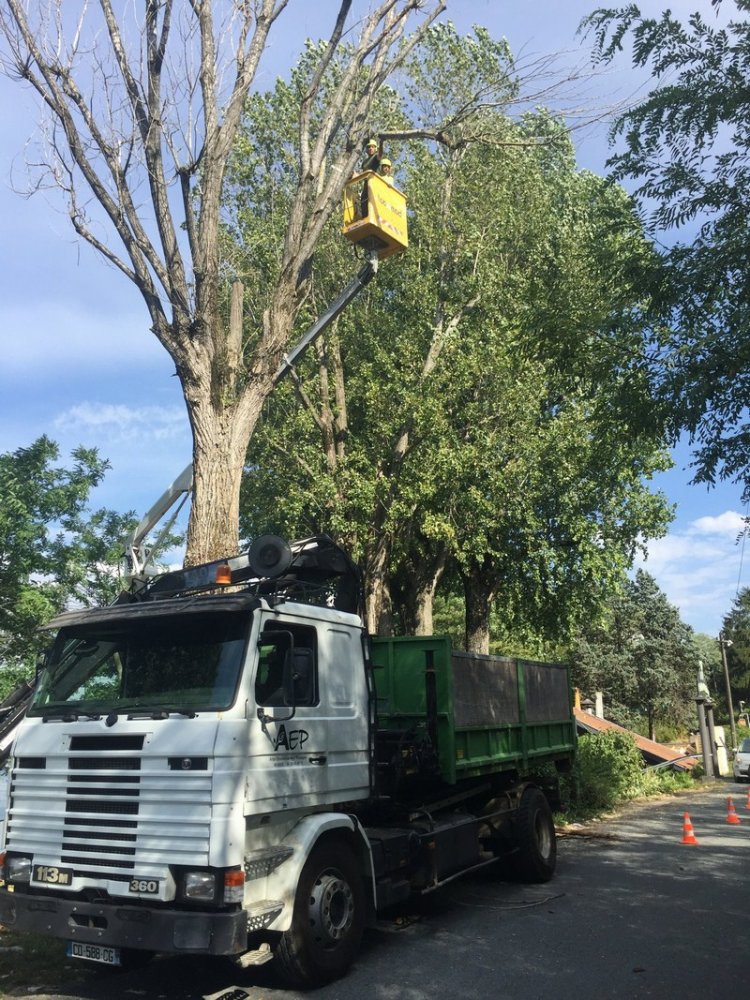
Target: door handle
{"type": "Point", "coordinates": [321, 759]}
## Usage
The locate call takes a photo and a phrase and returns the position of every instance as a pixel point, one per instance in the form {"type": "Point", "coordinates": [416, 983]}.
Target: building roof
{"type": "Point", "coordinates": [653, 752]}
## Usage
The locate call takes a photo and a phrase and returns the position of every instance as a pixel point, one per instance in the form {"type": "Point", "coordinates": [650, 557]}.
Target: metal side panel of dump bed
{"type": "Point", "coordinates": [486, 713]}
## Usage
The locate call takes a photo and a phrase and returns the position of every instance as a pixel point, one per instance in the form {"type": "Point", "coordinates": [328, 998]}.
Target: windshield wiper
{"type": "Point", "coordinates": [157, 712]}
{"type": "Point", "coordinates": [135, 712]}
{"type": "Point", "coordinates": [69, 717]}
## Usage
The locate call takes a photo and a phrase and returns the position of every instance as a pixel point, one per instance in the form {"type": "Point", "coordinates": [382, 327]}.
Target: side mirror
{"type": "Point", "coordinates": [41, 663]}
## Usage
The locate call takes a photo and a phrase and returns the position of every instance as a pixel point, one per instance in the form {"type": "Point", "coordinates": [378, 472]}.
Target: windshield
{"type": "Point", "coordinates": [181, 663]}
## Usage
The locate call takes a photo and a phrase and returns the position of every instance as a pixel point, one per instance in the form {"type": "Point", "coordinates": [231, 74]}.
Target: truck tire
{"type": "Point", "coordinates": [536, 845]}
{"type": "Point", "coordinates": [328, 918]}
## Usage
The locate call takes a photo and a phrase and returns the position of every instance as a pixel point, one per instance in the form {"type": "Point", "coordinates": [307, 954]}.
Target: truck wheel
{"type": "Point", "coordinates": [536, 844]}
{"type": "Point", "coordinates": [328, 918]}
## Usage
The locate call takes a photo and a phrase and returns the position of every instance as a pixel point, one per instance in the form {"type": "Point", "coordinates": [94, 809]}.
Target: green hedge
{"type": "Point", "coordinates": [609, 768]}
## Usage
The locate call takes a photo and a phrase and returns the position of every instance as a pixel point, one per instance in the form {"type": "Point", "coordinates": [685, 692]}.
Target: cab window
{"type": "Point", "coordinates": [290, 648]}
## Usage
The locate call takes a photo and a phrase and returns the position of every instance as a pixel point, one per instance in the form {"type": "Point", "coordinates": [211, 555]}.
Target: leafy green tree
{"type": "Point", "coordinates": [642, 657]}
{"type": "Point", "coordinates": [737, 628]}
{"type": "Point", "coordinates": [477, 413]}
{"type": "Point", "coordinates": [687, 148]}
{"type": "Point", "coordinates": [53, 551]}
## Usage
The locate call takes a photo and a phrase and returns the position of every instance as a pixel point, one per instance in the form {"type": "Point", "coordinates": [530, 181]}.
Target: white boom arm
{"type": "Point", "coordinates": [137, 552]}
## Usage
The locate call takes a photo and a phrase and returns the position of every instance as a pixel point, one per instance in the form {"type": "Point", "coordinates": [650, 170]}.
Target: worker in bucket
{"type": "Point", "coordinates": [372, 156]}
{"type": "Point", "coordinates": [386, 170]}
{"type": "Point", "coordinates": [370, 162]}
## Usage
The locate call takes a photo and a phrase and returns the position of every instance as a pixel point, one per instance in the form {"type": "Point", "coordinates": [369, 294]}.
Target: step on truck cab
{"type": "Point", "coordinates": [235, 768]}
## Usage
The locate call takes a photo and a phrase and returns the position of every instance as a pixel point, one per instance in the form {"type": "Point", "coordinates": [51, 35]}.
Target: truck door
{"type": "Point", "coordinates": [294, 712]}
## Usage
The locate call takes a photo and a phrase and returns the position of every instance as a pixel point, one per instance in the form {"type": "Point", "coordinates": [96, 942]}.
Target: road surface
{"type": "Point", "coordinates": [632, 913]}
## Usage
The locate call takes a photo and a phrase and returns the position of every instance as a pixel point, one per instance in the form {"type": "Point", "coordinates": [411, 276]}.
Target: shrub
{"type": "Point", "coordinates": [675, 781]}
{"type": "Point", "coordinates": [608, 768]}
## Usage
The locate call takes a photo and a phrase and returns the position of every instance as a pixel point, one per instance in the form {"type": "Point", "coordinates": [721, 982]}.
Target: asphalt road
{"type": "Point", "coordinates": [632, 913]}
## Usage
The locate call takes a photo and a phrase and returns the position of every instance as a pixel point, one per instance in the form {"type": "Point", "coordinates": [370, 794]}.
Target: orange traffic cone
{"type": "Point", "coordinates": [732, 816]}
{"type": "Point", "coordinates": [747, 804]}
{"type": "Point", "coordinates": [688, 837]}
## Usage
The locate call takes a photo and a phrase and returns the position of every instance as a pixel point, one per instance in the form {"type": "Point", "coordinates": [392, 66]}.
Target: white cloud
{"type": "Point", "coordinates": [124, 423]}
{"type": "Point", "coordinates": [730, 524]}
{"type": "Point", "coordinates": [698, 568]}
{"type": "Point", "coordinates": [147, 447]}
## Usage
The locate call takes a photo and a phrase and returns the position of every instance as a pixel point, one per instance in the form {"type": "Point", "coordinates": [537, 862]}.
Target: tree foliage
{"type": "Point", "coordinates": [642, 657]}
{"type": "Point", "coordinates": [53, 550]}
{"type": "Point", "coordinates": [737, 628]}
{"type": "Point", "coordinates": [608, 768]}
{"type": "Point", "coordinates": [476, 417]}
{"type": "Point", "coordinates": [687, 148]}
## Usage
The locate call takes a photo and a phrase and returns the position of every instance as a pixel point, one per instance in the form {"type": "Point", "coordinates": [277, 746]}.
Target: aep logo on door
{"type": "Point", "coordinates": [293, 739]}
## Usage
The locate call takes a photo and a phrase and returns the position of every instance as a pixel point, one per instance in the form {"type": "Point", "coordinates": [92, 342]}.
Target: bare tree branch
{"type": "Point", "coordinates": [145, 117]}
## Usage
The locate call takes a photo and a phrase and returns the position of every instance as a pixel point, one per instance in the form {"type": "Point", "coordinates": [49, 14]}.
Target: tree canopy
{"type": "Point", "coordinates": [53, 549]}
{"type": "Point", "coordinates": [642, 656]}
{"type": "Point", "coordinates": [736, 627]}
{"type": "Point", "coordinates": [477, 413]}
{"type": "Point", "coordinates": [687, 148]}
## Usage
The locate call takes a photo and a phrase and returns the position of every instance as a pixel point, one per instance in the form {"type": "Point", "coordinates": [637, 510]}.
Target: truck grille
{"type": "Point", "coordinates": [108, 811]}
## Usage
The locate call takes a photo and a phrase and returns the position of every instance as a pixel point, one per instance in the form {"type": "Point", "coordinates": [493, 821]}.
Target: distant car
{"type": "Point", "coordinates": [742, 761]}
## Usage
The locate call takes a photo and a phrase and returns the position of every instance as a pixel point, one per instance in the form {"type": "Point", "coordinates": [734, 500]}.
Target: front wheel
{"type": "Point", "coordinates": [536, 844]}
{"type": "Point", "coordinates": [328, 918]}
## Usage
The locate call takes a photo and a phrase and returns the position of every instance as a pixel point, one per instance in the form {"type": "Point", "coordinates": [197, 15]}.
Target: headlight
{"type": "Point", "coordinates": [200, 885]}
{"type": "Point", "coordinates": [18, 869]}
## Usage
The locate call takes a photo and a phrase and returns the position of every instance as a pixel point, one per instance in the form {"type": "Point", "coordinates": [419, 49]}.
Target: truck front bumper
{"type": "Point", "coordinates": [118, 925]}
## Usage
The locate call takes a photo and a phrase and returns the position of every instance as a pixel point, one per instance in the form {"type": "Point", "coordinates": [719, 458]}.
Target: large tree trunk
{"type": "Point", "coordinates": [479, 590]}
{"type": "Point", "coordinates": [418, 586]}
{"type": "Point", "coordinates": [220, 440]}
{"type": "Point", "coordinates": [378, 611]}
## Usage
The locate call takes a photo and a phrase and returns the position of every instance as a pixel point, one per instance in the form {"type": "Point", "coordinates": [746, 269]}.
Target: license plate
{"type": "Point", "coordinates": [94, 952]}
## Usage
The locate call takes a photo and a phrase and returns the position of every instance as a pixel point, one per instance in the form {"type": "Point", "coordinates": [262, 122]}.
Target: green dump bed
{"type": "Point", "coordinates": [492, 713]}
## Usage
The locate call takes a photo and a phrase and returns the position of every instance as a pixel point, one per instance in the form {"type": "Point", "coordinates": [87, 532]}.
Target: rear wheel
{"type": "Point", "coordinates": [328, 919]}
{"type": "Point", "coordinates": [536, 844]}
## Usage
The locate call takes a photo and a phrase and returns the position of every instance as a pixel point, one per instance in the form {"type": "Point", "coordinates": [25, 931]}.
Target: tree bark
{"type": "Point", "coordinates": [479, 591]}
{"type": "Point", "coordinates": [419, 583]}
{"type": "Point", "coordinates": [220, 440]}
{"type": "Point", "coordinates": [378, 611]}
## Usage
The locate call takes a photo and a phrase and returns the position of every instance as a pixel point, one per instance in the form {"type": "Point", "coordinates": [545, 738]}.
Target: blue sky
{"type": "Point", "coordinates": [79, 364]}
